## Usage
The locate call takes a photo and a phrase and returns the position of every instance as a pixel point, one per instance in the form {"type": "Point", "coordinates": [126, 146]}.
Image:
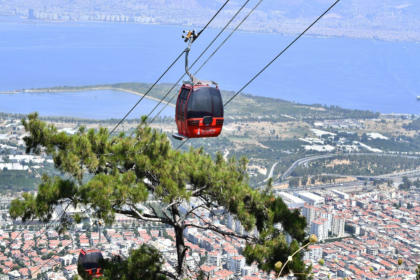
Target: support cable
{"type": "Point", "coordinates": [271, 62]}
{"type": "Point", "coordinates": [167, 103]}
{"type": "Point", "coordinates": [11, 242]}
{"type": "Point", "coordinates": [60, 251]}
{"type": "Point", "coordinates": [42, 232]}
{"type": "Point", "coordinates": [164, 73]}
{"type": "Point", "coordinates": [294, 41]}
{"type": "Point", "coordinates": [233, 31]}
{"type": "Point", "coordinates": [236, 28]}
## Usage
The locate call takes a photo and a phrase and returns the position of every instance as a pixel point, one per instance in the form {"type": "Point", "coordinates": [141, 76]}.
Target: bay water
{"type": "Point", "coordinates": [355, 74]}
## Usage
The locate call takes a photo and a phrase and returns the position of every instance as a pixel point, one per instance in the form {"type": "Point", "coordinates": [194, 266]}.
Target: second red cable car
{"type": "Point", "coordinates": [199, 107]}
{"type": "Point", "coordinates": [89, 261]}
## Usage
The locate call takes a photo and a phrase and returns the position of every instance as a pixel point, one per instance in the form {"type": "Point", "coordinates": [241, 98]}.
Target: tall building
{"type": "Point", "coordinates": [326, 227]}
{"type": "Point", "coordinates": [314, 253]}
{"type": "Point", "coordinates": [317, 228]}
{"type": "Point", "coordinates": [338, 226]}
{"type": "Point", "coordinates": [236, 265]}
{"type": "Point", "coordinates": [213, 259]}
{"type": "Point", "coordinates": [328, 216]}
{"type": "Point", "coordinates": [231, 222]}
{"type": "Point", "coordinates": [309, 212]}
{"type": "Point", "coordinates": [239, 228]}
{"type": "Point", "coordinates": [31, 14]}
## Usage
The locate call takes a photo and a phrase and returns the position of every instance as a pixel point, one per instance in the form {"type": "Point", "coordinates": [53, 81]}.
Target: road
{"type": "Point", "coordinates": [226, 155]}
{"type": "Point", "coordinates": [270, 175]}
{"type": "Point", "coordinates": [323, 186]}
{"type": "Point", "coordinates": [303, 160]}
{"type": "Point", "coordinates": [309, 159]}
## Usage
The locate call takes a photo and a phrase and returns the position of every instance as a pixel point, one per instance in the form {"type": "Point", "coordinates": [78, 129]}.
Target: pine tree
{"type": "Point", "coordinates": [126, 170]}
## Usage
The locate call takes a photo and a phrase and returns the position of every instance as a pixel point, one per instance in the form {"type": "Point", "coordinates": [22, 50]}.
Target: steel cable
{"type": "Point", "coordinates": [271, 62]}
{"type": "Point", "coordinates": [164, 73]}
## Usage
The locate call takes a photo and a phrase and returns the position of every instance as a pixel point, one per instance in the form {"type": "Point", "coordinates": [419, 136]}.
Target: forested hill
{"type": "Point", "coordinates": [244, 106]}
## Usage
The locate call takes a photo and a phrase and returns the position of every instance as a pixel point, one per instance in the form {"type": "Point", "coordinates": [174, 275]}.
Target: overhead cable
{"type": "Point", "coordinates": [147, 92]}
{"type": "Point", "coordinates": [236, 28]}
{"type": "Point", "coordinates": [60, 251]}
{"type": "Point", "coordinates": [167, 103]}
{"type": "Point", "coordinates": [271, 62]}
{"type": "Point", "coordinates": [294, 41]}
{"type": "Point", "coordinates": [42, 232]}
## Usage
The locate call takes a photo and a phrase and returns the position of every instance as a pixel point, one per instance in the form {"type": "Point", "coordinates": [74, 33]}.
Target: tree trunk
{"type": "Point", "coordinates": [181, 249]}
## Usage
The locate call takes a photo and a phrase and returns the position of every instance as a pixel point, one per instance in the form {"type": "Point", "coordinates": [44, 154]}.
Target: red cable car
{"type": "Point", "coordinates": [199, 107]}
{"type": "Point", "coordinates": [89, 260]}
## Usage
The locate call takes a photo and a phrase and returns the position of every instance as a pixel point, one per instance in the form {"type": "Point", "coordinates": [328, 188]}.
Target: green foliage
{"type": "Point", "coordinates": [365, 165]}
{"type": "Point", "coordinates": [294, 182]}
{"type": "Point", "coordinates": [407, 184]}
{"type": "Point", "coordinates": [349, 229]}
{"type": "Point", "coordinates": [275, 251]}
{"type": "Point", "coordinates": [248, 107]}
{"type": "Point", "coordinates": [414, 125]}
{"type": "Point", "coordinates": [395, 144]}
{"type": "Point", "coordinates": [304, 180]}
{"type": "Point", "coordinates": [143, 263]}
{"type": "Point", "coordinates": [125, 170]}
{"type": "Point", "coordinates": [17, 181]}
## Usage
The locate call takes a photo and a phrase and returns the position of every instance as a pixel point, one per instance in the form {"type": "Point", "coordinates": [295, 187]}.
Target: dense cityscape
{"type": "Point", "coordinates": [366, 227]}
{"type": "Point", "coordinates": [266, 188]}
{"type": "Point", "coordinates": [387, 22]}
{"type": "Point", "coordinates": [361, 235]}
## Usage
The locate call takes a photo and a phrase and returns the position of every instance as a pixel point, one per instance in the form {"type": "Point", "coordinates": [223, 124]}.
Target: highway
{"type": "Point", "coordinates": [270, 175]}
{"type": "Point", "coordinates": [309, 159]}
{"type": "Point", "coordinates": [323, 186]}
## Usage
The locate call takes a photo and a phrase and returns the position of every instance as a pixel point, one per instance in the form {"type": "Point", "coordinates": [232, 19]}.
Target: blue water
{"type": "Point", "coordinates": [357, 74]}
{"type": "Point", "coordinates": [97, 104]}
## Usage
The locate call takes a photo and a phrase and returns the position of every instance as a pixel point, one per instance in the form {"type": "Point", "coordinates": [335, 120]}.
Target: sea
{"type": "Point", "coordinates": [356, 74]}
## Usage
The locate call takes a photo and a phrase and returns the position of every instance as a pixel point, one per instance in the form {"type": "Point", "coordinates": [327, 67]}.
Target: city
{"type": "Point", "coordinates": [311, 170]}
{"type": "Point", "coordinates": [390, 23]}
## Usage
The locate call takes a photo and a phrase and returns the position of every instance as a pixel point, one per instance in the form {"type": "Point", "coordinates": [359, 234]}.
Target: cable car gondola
{"type": "Point", "coordinates": [89, 260]}
{"type": "Point", "coordinates": [199, 107]}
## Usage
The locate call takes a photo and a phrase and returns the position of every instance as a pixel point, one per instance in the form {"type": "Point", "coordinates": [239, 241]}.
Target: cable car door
{"type": "Point", "coordinates": [181, 111]}
{"type": "Point", "coordinates": [184, 117]}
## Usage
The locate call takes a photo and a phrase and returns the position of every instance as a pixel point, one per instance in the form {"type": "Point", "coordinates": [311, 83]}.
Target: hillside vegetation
{"type": "Point", "coordinates": [246, 106]}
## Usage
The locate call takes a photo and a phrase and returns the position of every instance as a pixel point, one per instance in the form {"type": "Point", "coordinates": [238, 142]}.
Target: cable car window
{"type": "Point", "coordinates": [200, 103]}
{"type": "Point", "coordinates": [184, 94]}
{"type": "Point", "coordinates": [217, 103]}
{"type": "Point", "coordinates": [92, 260]}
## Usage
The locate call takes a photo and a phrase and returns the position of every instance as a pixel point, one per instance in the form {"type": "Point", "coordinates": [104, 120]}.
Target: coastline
{"type": "Point", "coordinates": [48, 90]}
{"type": "Point", "coordinates": [374, 37]}
{"type": "Point", "coordinates": [93, 88]}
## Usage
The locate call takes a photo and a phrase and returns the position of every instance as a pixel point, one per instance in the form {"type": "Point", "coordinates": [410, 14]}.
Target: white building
{"type": "Point", "coordinates": [328, 216]}
{"type": "Point", "coordinates": [325, 222]}
{"type": "Point", "coordinates": [341, 194]}
{"type": "Point", "coordinates": [314, 253]}
{"type": "Point", "coordinates": [213, 259]}
{"type": "Point", "coordinates": [338, 226]}
{"type": "Point", "coordinates": [291, 200]}
{"type": "Point", "coordinates": [13, 274]}
{"type": "Point", "coordinates": [190, 262]}
{"type": "Point", "coordinates": [309, 212]}
{"type": "Point", "coordinates": [317, 228]}
{"type": "Point", "coordinates": [231, 222]}
{"type": "Point", "coordinates": [310, 198]}
{"type": "Point", "coordinates": [66, 260]}
{"type": "Point", "coordinates": [236, 265]}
